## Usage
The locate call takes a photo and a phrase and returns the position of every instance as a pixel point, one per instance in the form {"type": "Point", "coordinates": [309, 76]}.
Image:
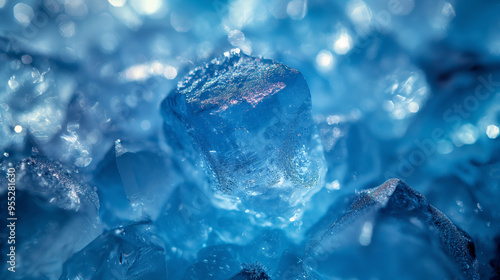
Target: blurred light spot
{"type": "Point", "coordinates": [84, 159]}
{"type": "Point", "coordinates": [492, 131]}
{"type": "Point", "coordinates": [388, 105]}
{"type": "Point", "coordinates": [335, 185]}
{"type": "Point", "coordinates": [180, 23]}
{"type": "Point", "coordinates": [365, 238]}
{"type": "Point", "coordinates": [67, 29]}
{"type": "Point", "coordinates": [23, 14]}
{"type": "Point", "coordinates": [2, 3]}
{"type": "Point", "coordinates": [15, 64]}
{"type": "Point", "coordinates": [297, 9]}
{"type": "Point", "coordinates": [26, 59]}
{"type": "Point", "coordinates": [170, 72]}
{"type": "Point", "coordinates": [145, 125]}
{"type": "Point", "coordinates": [131, 101]}
{"type": "Point", "coordinates": [278, 8]}
{"type": "Point", "coordinates": [117, 3]}
{"type": "Point", "coordinates": [18, 129]}
{"type": "Point", "coordinates": [146, 7]}
{"type": "Point", "coordinates": [205, 49]}
{"type": "Point", "coordinates": [156, 68]}
{"type": "Point", "coordinates": [68, 55]}
{"type": "Point", "coordinates": [236, 38]}
{"type": "Point", "coordinates": [137, 72]}
{"type": "Point", "coordinates": [399, 114]}
{"type": "Point", "coordinates": [72, 126]}
{"type": "Point", "coordinates": [109, 42]}
{"type": "Point", "coordinates": [359, 13]}
{"type": "Point", "coordinates": [356, 114]}
{"type": "Point", "coordinates": [444, 147]}
{"type": "Point", "coordinates": [333, 119]}
{"type": "Point", "coordinates": [295, 217]}
{"type": "Point", "coordinates": [413, 107]}
{"type": "Point", "coordinates": [325, 60]}
{"type": "Point", "coordinates": [467, 134]}
{"type": "Point", "coordinates": [343, 44]}
{"type": "Point", "coordinates": [76, 8]}
{"type": "Point", "coordinates": [448, 10]}
{"type": "Point", "coordinates": [244, 12]}
{"type": "Point", "coordinates": [13, 84]}
{"type": "Point", "coordinates": [401, 7]}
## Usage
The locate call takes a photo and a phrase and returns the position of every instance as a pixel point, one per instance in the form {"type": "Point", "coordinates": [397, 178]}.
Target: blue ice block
{"type": "Point", "coordinates": [397, 220]}
{"type": "Point", "coordinates": [250, 119]}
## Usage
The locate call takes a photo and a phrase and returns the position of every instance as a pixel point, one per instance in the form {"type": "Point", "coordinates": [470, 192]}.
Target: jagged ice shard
{"type": "Point", "coordinates": [392, 218]}
{"type": "Point", "coordinates": [57, 215]}
{"type": "Point", "coordinates": [251, 120]}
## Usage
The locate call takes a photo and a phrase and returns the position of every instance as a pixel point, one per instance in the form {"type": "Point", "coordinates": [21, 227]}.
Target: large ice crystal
{"type": "Point", "coordinates": [56, 216]}
{"type": "Point", "coordinates": [384, 219]}
{"type": "Point", "coordinates": [251, 120]}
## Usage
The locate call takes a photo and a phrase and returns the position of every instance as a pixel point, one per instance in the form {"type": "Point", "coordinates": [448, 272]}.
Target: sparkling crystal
{"type": "Point", "coordinates": [250, 118]}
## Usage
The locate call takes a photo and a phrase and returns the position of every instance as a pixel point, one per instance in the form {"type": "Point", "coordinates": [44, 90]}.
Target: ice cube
{"type": "Point", "coordinates": [250, 118]}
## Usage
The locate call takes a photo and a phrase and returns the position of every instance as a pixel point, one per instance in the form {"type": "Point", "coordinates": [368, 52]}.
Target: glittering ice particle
{"type": "Point", "coordinates": [250, 118]}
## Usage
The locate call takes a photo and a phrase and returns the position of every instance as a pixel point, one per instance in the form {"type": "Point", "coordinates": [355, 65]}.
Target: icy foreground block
{"type": "Point", "coordinates": [131, 252]}
{"type": "Point", "coordinates": [56, 216]}
{"type": "Point", "coordinates": [393, 231]}
{"type": "Point", "coordinates": [250, 118]}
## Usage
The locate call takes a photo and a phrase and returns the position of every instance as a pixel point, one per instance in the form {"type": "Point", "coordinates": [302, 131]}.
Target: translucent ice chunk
{"type": "Point", "coordinates": [131, 252]}
{"type": "Point", "coordinates": [135, 181]}
{"type": "Point", "coordinates": [393, 217]}
{"type": "Point", "coordinates": [251, 120]}
{"type": "Point", "coordinates": [56, 216]}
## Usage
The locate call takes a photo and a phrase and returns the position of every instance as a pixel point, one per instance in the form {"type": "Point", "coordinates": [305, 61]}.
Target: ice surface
{"type": "Point", "coordinates": [57, 216]}
{"type": "Point", "coordinates": [385, 218]}
{"type": "Point", "coordinates": [251, 120]}
{"type": "Point", "coordinates": [130, 252]}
